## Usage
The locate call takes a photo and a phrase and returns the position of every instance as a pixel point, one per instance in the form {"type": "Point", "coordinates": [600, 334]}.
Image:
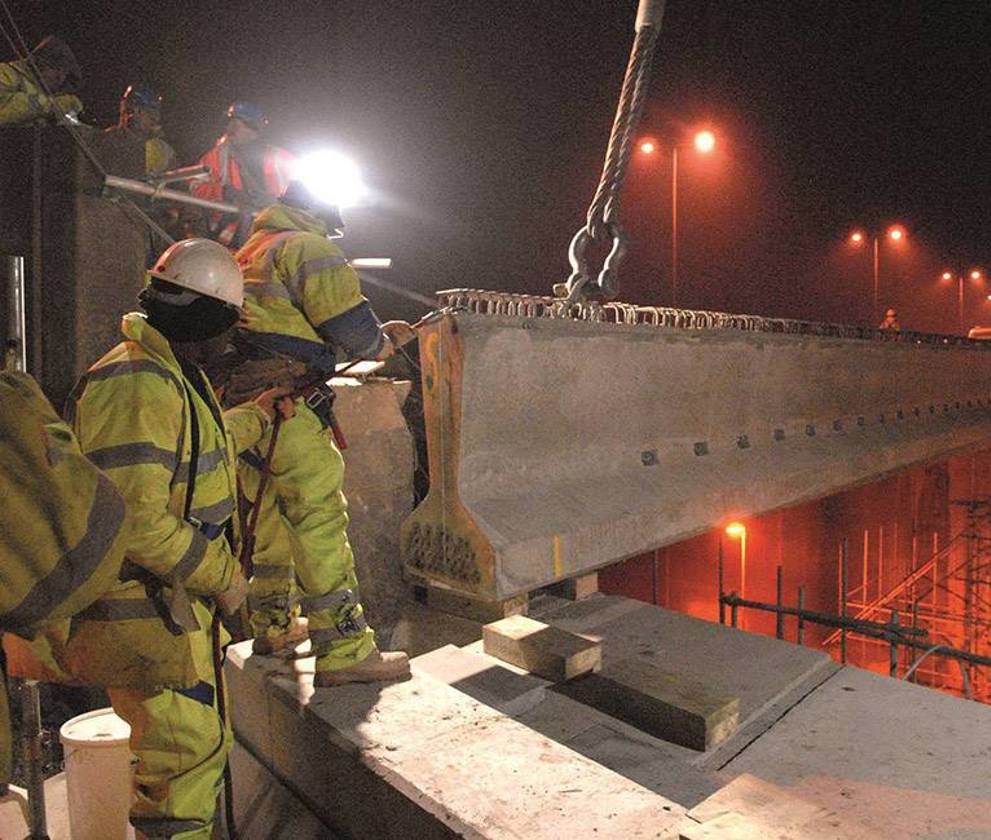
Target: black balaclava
{"type": "Point", "coordinates": [192, 317]}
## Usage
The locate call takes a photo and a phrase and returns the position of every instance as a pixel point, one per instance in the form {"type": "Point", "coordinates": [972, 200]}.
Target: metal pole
{"type": "Point", "coordinates": [732, 612]}
{"type": "Point", "coordinates": [722, 605]}
{"type": "Point", "coordinates": [37, 273]}
{"type": "Point", "coordinates": [32, 740]}
{"type": "Point", "coordinates": [843, 590]}
{"type": "Point", "coordinates": [674, 225]}
{"type": "Point", "coordinates": [915, 627]}
{"type": "Point", "coordinates": [16, 352]}
{"type": "Point", "coordinates": [893, 650]}
{"type": "Point", "coordinates": [653, 578]}
{"type": "Point", "coordinates": [780, 616]}
{"type": "Point", "coordinates": [801, 618]}
{"type": "Point", "coordinates": [877, 279]}
{"type": "Point", "coordinates": [960, 302]}
{"type": "Point", "coordinates": [140, 187]}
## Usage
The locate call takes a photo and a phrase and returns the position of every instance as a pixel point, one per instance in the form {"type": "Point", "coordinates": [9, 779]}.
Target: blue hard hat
{"type": "Point", "coordinates": [141, 96]}
{"type": "Point", "coordinates": [248, 113]}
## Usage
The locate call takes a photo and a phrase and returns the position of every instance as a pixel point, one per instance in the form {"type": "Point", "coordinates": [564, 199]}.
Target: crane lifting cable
{"type": "Point", "coordinates": [602, 224]}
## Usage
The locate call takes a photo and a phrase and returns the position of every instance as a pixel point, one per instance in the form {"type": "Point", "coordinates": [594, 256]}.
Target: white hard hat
{"type": "Point", "coordinates": [202, 266]}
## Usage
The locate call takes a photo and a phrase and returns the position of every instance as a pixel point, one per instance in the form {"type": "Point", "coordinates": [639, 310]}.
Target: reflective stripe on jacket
{"type": "Point", "coordinates": [298, 284]}
{"type": "Point", "coordinates": [62, 538]}
{"type": "Point", "coordinates": [132, 416]}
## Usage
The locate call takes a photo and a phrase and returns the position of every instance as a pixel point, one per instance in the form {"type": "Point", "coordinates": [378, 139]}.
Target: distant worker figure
{"type": "Point", "coordinates": [890, 321]}
{"type": "Point", "coordinates": [25, 85]}
{"type": "Point", "coordinates": [141, 117]}
{"type": "Point", "coordinates": [244, 171]}
{"type": "Point", "coordinates": [146, 414]}
{"type": "Point", "coordinates": [303, 302]}
{"type": "Point", "coordinates": [62, 538]}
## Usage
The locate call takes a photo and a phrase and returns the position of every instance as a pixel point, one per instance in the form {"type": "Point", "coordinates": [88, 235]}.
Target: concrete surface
{"type": "Point", "coordinates": [559, 446]}
{"type": "Point", "coordinates": [422, 759]}
{"type": "Point", "coordinates": [908, 759]}
{"type": "Point", "coordinates": [475, 747]}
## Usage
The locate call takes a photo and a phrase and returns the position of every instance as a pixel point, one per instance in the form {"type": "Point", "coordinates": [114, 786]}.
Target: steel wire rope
{"type": "Point", "coordinates": [602, 219]}
{"type": "Point", "coordinates": [69, 123]}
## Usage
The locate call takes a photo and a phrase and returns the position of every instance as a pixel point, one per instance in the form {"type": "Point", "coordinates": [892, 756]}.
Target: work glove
{"type": "Point", "coordinates": [230, 600]}
{"type": "Point", "coordinates": [398, 332]}
{"type": "Point", "coordinates": [277, 400]}
{"type": "Point", "coordinates": [252, 378]}
{"type": "Point", "coordinates": [66, 103]}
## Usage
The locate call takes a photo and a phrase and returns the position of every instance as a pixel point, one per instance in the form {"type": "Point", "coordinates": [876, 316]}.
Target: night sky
{"type": "Point", "coordinates": [482, 127]}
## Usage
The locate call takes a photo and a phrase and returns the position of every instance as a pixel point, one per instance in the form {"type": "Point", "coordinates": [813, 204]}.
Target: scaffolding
{"type": "Point", "coordinates": [947, 594]}
{"type": "Point", "coordinates": [933, 626]}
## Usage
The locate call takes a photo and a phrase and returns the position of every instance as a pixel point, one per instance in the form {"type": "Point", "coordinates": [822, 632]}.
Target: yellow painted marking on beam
{"type": "Point", "coordinates": [558, 563]}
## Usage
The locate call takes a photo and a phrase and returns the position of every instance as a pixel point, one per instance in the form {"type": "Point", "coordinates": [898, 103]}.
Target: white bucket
{"type": "Point", "coordinates": [98, 775]}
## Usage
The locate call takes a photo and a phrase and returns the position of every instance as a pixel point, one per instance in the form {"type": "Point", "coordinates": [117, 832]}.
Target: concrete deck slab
{"type": "Point", "coordinates": [765, 674]}
{"type": "Point", "coordinates": [906, 758]}
{"type": "Point", "coordinates": [422, 759]}
{"type": "Point", "coordinates": [484, 678]}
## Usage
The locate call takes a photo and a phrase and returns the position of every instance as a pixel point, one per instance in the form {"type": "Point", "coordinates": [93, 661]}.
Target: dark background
{"type": "Point", "coordinates": [482, 128]}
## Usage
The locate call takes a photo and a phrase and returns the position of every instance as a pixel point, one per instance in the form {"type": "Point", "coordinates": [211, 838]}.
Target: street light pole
{"type": "Point", "coordinates": [858, 238]}
{"type": "Point", "coordinates": [877, 276]}
{"type": "Point", "coordinates": [674, 225]}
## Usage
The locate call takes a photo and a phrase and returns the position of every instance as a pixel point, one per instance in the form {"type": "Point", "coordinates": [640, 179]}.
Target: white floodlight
{"type": "Point", "coordinates": [331, 177]}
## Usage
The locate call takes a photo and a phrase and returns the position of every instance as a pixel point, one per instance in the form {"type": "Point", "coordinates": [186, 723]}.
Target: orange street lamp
{"type": "Point", "coordinates": [704, 142]}
{"type": "Point", "coordinates": [738, 531]}
{"type": "Point", "coordinates": [895, 234]}
{"type": "Point", "coordinates": [975, 275]}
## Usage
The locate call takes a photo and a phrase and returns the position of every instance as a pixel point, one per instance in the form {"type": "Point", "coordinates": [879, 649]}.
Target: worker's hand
{"type": "Point", "coordinates": [230, 600]}
{"type": "Point", "coordinates": [388, 349]}
{"type": "Point", "coordinates": [399, 332]}
{"type": "Point", "coordinates": [277, 399]}
{"type": "Point", "coordinates": [69, 103]}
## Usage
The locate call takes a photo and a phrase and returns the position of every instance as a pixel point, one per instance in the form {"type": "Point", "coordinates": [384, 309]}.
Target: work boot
{"type": "Point", "coordinates": [289, 638]}
{"type": "Point", "coordinates": [378, 666]}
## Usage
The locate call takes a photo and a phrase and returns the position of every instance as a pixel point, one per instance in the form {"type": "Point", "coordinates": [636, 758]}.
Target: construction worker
{"type": "Point", "coordinates": [244, 171]}
{"type": "Point", "coordinates": [62, 538]}
{"type": "Point", "coordinates": [303, 302]}
{"type": "Point", "coordinates": [141, 117]}
{"type": "Point", "coordinates": [890, 322]}
{"type": "Point", "coordinates": [42, 85]}
{"type": "Point", "coordinates": [146, 415]}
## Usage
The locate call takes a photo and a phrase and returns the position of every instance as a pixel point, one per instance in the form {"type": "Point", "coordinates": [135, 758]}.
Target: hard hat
{"type": "Point", "coordinates": [247, 112]}
{"type": "Point", "coordinates": [140, 96]}
{"type": "Point", "coordinates": [53, 52]}
{"type": "Point", "coordinates": [203, 267]}
{"type": "Point", "coordinates": [891, 314]}
{"type": "Point", "coordinates": [299, 194]}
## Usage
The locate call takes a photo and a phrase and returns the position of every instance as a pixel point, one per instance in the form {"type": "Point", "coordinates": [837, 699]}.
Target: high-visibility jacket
{"type": "Point", "coordinates": [62, 538]}
{"type": "Point", "coordinates": [133, 415]}
{"type": "Point", "coordinates": [300, 293]}
{"type": "Point", "coordinates": [225, 182]}
{"type": "Point", "coordinates": [21, 98]}
{"type": "Point", "coordinates": [159, 155]}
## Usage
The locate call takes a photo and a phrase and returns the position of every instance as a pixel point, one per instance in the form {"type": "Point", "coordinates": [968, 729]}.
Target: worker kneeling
{"type": "Point", "coordinates": [303, 302]}
{"type": "Point", "coordinates": [146, 414]}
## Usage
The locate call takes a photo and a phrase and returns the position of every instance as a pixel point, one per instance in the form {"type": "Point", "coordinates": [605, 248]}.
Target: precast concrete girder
{"type": "Point", "coordinates": [558, 446]}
